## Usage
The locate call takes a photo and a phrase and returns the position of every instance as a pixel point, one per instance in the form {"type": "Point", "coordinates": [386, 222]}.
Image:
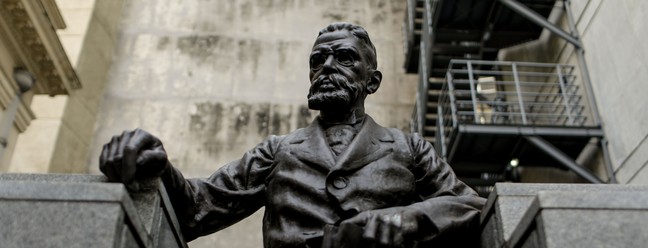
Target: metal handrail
{"type": "Point", "coordinates": [524, 83]}
{"type": "Point", "coordinates": [409, 25]}
{"type": "Point", "coordinates": [424, 66]}
{"type": "Point", "coordinates": [505, 63]}
{"type": "Point", "coordinates": [509, 93]}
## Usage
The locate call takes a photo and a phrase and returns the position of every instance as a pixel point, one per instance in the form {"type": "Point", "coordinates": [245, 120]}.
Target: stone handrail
{"type": "Point", "coordinates": [57, 210]}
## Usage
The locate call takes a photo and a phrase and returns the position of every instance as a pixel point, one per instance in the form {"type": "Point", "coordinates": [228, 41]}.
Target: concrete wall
{"type": "Point", "coordinates": [214, 78]}
{"type": "Point", "coordinates": [618, 58]}
{"type": "Point", "coordinates": [613, 34]}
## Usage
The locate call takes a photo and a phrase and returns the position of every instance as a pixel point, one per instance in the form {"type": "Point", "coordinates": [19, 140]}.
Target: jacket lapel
{"type": "Point", "coordinates": [309, 146]}
{"type": "Point", "coordinates": [367, 146]}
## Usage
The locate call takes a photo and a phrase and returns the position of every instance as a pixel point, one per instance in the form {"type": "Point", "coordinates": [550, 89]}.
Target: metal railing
{"type": "Point", "coordinates": [508, 93]}
{"type": "Point", "coordinates": [408, 29]}
{"type": "Point", "coordinates": [418, 120]}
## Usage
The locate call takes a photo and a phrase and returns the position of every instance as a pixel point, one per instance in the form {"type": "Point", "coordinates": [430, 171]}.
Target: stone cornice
{"type": "Point", "coordinates": [52, 11]}
{"type": "Point", "coordinates": [27, 26]}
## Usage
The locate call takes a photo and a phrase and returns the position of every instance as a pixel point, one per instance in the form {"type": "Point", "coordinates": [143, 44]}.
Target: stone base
{"type": "Point", "coordinates": [584, 219]}
{"type": "Point", "coordinates": [83, 211]}
{"type": "Point", "coordinates": [511, 203]}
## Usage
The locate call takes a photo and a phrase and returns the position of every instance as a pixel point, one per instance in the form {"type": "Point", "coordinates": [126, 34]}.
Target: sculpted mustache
{"type": "Point", "coordinates": [336, 79]}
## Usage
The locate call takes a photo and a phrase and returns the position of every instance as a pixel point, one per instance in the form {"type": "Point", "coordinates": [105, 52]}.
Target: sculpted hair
{"type": "Point", "coordinates": [360, 33]}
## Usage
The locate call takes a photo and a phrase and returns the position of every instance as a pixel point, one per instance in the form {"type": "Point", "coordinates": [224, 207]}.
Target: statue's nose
{"type": "Point", "coordinates": [329, 64]}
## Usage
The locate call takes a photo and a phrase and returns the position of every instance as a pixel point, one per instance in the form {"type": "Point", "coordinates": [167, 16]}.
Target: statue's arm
{"type": "Point", "coordinates": [449, 207]}
{"type": "Point", "coordinates": [202, 206]}
{"type": "Point", "coordinates": [233, 192]}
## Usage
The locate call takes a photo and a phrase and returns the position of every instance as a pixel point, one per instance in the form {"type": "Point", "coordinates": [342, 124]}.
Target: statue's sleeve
{"type": "Point", "coordinates": [233, 192]}
{"type": "Point", "coordinates": [449, 208]}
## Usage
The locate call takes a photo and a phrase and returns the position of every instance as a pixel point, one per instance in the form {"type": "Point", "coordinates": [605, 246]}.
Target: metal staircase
{"type": "Point", "coordinates": [482, 114]}
{"type": "Point", "coordinates": [461, 29]}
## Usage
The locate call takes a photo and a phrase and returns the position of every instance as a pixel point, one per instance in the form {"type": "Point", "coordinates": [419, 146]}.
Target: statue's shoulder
{"type": "Point", "coordinates": [397, 134]}
{"type": "Point", "coordinates": [296, 136]}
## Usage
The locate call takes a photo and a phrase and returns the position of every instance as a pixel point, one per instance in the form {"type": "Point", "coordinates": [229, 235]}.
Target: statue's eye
{"type": "Point", "coordinates": [344, 58]}
{"type": "Point", "coordinates": [316, 61]}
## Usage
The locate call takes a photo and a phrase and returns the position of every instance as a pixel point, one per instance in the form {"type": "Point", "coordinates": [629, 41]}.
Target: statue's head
{"type": "Point", "coordinates": [343, 68]}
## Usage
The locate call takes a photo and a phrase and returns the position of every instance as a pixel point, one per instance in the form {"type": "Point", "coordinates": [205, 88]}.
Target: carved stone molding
{"type": "Point", "coordinates": [29, 26]}
{"type": "Point", "coordinates": [52, 11]}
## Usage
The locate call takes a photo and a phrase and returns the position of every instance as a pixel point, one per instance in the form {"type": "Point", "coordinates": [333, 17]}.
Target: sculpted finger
{"type": "Point", "coordinates": [151, 163]}
{"type": "Point", "coordinates": [143, 140]}
{"type": "Point", "coordinates": [114, 161]}
{"type": "Point", "coordinates": [129, 167]}
{"type": "Point", "coordinates": [371, 228]}
{"type": "Point", "coordinates": [104, 166]}
{"type": "Point", "coordinates": [113, 145]}
{"type": "Point", "coordinates": [384, 232]}
{"type": "Point", "coordinates": [130, 163]}
{"type": "Point", "coordinates": [397, 232]}
{"type": "Point", "coordinates": [143, 151]}
{"type": "Point", "coordinates": [123, 141]}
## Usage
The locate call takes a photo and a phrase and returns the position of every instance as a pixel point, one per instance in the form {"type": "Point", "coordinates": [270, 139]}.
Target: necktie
{"type": "Point", "coordinates": [339, 137]}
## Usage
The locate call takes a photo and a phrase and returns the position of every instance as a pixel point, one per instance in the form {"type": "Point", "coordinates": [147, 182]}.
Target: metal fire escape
{"type": "Point", "coordinates": [484, 116]}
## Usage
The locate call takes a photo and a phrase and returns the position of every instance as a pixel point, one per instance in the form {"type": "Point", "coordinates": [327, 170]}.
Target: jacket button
{"type": "Point", "coordinates": [340, 182]}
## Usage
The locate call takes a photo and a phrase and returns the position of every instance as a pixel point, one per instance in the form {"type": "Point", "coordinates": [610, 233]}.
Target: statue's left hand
{"type": "Point", "coordinates": [133, 156]}
{"type": "Point", "coordinates": [388, 227]}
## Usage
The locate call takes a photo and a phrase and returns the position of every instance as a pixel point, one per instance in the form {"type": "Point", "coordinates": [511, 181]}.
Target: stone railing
{"type": "Point", "coordinates": [45, 210]}
{"type": "Point", "coordinates": [565, 215]}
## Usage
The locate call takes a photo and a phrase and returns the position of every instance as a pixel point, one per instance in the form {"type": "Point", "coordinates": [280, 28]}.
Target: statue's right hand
{"type": "Point", "coordinates": [132, 156]}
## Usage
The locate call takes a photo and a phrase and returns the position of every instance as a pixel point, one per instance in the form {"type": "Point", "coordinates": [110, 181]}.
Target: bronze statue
{"type": "Point", "coordinates": [341, 181]}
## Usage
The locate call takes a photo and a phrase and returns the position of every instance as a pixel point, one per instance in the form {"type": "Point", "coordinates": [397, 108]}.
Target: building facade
{"type": "Point", "coordinates": [33, 63]}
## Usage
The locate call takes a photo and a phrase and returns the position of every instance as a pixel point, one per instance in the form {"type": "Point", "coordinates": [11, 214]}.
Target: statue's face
{"type": "Point", "coordinates": [338, 72]}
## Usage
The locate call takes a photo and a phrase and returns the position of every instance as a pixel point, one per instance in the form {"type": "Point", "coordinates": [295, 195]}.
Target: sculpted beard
{"type": "Point", "coordinates": [342, 94]}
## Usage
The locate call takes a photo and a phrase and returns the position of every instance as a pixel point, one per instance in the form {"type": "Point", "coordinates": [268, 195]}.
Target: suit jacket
{"type": "Point", "coordinates": [304, 187]}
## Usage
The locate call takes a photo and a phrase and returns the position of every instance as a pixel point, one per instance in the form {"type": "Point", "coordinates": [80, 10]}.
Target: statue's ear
{"type": "Point", "coordinates": [374, 81]}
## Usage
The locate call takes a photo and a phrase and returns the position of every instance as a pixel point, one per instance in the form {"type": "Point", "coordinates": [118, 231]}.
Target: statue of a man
{"type": "Point", "coordinates": [344, 172]}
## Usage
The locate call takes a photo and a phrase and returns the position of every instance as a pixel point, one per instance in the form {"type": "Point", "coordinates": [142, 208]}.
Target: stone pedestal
{"type": "Point", "coordinates": [508, 203]}
{"type": "Point", "coordinates": [83, 211]}
{"type": "Point", "coordinates": [584, 219]}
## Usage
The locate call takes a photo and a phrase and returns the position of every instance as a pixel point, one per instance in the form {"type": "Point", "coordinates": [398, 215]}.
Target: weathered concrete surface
{"type": "Point", "coordinates": [214, 78]}
{"type": "Point", "coordinates": [619, 64]}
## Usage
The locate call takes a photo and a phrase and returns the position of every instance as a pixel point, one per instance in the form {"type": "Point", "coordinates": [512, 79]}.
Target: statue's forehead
{"type": "Point", "coordinates": [339, 36]}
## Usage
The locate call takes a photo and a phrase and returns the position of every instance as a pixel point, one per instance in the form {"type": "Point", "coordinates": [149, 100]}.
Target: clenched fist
{"type": "Point", "coordinates": [132, 156]}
